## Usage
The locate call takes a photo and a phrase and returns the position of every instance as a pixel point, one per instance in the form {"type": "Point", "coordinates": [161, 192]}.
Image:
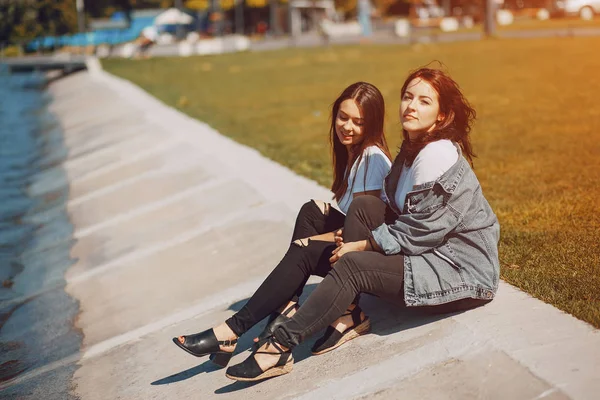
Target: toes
{"type": "Point", "coordinates": [181, 339]}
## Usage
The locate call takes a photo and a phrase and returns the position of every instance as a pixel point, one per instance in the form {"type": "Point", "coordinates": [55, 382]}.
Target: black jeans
{"type": "Point", "coordinates": [286, 282]}
{"type": "Point", "coordinates": [356, 272]}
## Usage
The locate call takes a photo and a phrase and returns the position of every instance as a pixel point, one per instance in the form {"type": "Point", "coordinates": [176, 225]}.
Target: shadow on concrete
{"type": "Point", "coordinates": [205, 367]}
{"type": "Point", "coordinates": [235, 386]}
{"type": "Point", "coordinates": [388, 316]}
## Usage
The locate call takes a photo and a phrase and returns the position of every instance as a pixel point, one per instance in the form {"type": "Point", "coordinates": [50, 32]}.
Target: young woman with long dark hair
{"type": "Point", "coordinates": [361, 160]}
{"type": "Point", "coordinates": [432, 242]}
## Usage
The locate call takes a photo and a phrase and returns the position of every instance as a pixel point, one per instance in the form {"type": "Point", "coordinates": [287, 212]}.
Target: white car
{"type": "Point", "coordinates": [585, 9]}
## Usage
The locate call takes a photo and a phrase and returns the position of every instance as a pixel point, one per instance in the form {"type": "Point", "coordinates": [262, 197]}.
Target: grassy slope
{"type": "Point", "coordinates": [537, 134]}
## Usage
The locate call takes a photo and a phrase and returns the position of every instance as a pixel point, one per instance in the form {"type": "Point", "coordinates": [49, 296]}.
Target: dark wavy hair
{"type": "Point", "coordinates": [372, 107]}
{"type": "Point", "coordinates": [458, 116]}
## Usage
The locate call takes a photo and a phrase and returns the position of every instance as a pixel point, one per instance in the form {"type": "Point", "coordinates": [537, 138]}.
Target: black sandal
{"type": "Point", "coordinates": [249, 370]}
{"type": "Point", "coordinates": [332, 339]}
{"type": "Point", "coordinates": [204, 343]}
{"type": "Point", "coordinates": [275, 320]}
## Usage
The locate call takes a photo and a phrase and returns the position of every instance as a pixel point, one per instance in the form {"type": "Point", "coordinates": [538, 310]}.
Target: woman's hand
{"type": "Point", "coordinates": [338, 237]}
{"type": "Point", "coordinates": [347, 248]}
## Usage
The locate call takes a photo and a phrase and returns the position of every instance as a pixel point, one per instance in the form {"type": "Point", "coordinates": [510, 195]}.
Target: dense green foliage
{"type": "Point", "coordinates": [27, 19]}
{"type": "Point", "coordinates": [22, 20]}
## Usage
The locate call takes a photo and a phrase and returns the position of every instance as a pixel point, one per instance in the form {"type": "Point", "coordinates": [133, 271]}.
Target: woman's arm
{"type": "Point", "coordinates": [414, 234]}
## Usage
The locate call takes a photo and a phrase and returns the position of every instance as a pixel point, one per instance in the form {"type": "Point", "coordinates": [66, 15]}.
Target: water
{"type": "Point", "coordinates": [36, 315]}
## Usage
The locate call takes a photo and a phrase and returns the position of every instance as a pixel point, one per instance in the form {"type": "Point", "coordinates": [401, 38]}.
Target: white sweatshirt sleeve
{"type": "Point", "coordinates": [433, 161]}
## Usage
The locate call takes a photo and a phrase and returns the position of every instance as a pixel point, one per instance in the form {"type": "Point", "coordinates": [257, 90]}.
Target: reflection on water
{"type": "Point", "coordinates": [35, 237]}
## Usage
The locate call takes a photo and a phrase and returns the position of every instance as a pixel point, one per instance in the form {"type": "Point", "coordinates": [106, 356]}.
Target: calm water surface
{"type": "Point", "coordinates": [36, 315]}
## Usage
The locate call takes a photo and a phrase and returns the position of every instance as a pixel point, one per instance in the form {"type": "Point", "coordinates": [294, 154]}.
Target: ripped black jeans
{"type": "Point", "coordinates": [286, 282]}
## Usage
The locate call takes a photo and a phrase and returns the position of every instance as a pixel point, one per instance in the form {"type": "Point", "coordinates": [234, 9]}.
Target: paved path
{"type": "Point", "coordinates": [177, 226]}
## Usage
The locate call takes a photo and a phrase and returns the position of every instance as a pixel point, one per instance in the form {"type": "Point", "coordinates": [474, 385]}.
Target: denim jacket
{"type": "Point", "coordinates": [448, 235]}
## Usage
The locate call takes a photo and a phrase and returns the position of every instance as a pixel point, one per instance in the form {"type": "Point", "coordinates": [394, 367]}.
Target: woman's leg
{"type": "Point", "coordinates": [354, 273]}
{"type": "Point", "coordinates": [316, 217]}
{"type": "Point", "coordinates": [349, 277]}
{"type": "Point", "coordinates": [281, 284]}
{"type": "Point", "coordinates": [284, 285]}
{"type": "Point", "coordinates": [289, 275]}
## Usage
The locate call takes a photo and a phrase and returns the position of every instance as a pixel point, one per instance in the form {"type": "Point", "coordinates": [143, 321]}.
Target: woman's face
{"type": "Point", "coordinates": [349, 123]}
{"type": "Point", "coordinates": [419, 108]}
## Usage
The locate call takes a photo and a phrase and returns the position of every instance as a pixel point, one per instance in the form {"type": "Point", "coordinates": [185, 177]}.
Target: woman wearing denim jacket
{"type": "Point", "coordinates": [432, 241]}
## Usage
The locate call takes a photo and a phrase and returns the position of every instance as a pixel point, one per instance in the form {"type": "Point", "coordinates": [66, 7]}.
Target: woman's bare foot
{"type": "Point", "coordinates": [345, 322]}
{"type": "Point", "coordinates": [342, 330]}
{"type": "Point", "coordinates": [282, 309]}
{"type": "Point", "coordinates": [266, 361]}
{"type": "Point", "coordinates": [222, 332]}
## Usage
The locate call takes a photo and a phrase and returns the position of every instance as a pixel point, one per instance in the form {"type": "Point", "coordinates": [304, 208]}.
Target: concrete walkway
{"type": "Point", "coordinates": [176, 227]}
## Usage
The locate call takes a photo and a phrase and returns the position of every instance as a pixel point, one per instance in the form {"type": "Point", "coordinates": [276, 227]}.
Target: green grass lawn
{"type": "Point", "coordinates": [537, 135]}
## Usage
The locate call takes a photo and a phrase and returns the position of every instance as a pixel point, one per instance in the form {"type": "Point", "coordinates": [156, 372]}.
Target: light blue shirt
{"type": "Point", "coordinates": [366, 175]}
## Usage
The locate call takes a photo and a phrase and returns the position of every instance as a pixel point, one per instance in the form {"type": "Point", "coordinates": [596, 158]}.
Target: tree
{"type": "Point", "coordinates": [26, 19]}
{"type": "Point", "coordinates": [10, 14]}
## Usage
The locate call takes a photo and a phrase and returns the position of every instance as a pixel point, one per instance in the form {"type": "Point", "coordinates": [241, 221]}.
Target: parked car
{"type": "Point", "coordinates": [585, 9]}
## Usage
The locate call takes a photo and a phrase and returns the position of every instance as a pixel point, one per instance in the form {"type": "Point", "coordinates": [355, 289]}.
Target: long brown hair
{"type": "Point", "coordinates": [458, 116]}
{"type": "Point", "coordinates": [372, 107]}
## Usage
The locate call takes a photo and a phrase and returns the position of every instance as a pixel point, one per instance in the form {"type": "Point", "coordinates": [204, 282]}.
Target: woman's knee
{"type": "Point", "coordinates": [322, 206]}
{"type": "Point", "coordinates": [313, 209]}
{"type": "Point", "coordinates": [307, 208]}
{"type": "Point", "coordinates": [365, 205]}
{"type": "Point", "coordinates": [309, 212]}
{"type": "Point", "coordinates": [365, 214]}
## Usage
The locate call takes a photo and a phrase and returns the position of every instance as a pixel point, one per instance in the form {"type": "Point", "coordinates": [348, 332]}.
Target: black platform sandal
{"type": "Point", "coordinates": [332, 339]}
{"type": "Point", "coordinates": [204, 343]}
{"type": "Point", "coordinates": [249, 370]}
{"type": "Point", "coordinates": [275, 320]}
